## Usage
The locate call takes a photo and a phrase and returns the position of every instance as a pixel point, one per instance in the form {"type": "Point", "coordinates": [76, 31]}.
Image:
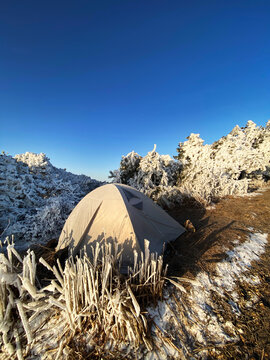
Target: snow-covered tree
{"type": "Point", "coordinates": [233, 165]}
{"type": "Point", "coordinates": [229, 166]}
{"type": "Point", "coordinates": [155, 175]}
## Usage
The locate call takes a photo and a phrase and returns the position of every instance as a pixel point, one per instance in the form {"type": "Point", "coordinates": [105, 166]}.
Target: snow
{"type": "Point", "coordinates": [239, 260]}
{"type": "Point", "coordinates": [155, 175]}
{"type": "Point", "coordinates": [228, 166]}
{"type": "Point", "coordinates": [192, 317]}
{"type": "Point", "coordinates": [36, 197]}
{"type": "Point", "coordinates": [233, 165]}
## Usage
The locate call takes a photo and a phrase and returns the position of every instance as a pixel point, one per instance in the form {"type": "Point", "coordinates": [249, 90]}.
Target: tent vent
{"type": "Point", "coordinates": [129, 195]}
{"type": "Point", "coordinates": [137, 204]}
{"type": "Point", "coordinates": [133, 199]}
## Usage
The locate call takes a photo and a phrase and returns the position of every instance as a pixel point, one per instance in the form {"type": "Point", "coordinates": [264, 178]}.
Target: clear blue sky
{"type": "Point", "coordinates": [87, 81]}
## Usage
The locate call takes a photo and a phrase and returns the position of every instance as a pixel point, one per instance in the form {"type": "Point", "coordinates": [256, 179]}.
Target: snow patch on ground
{"type": "Point", "coordinates": [191, 319]}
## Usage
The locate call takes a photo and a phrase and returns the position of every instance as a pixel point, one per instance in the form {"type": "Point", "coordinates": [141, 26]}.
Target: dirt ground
{"type": "Point", "coordinates": [216, 228]}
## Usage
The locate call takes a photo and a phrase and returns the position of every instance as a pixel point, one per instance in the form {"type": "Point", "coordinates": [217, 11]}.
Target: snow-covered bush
{"type": "Point", "coordinates": [36, 197]}
{"type": "Point", "coordinates": [129, 165]}
{"type": "Point", "coordinates": [155, 175]}
{"type": "Point", "coordinates": [233, 165]}
{"type": "Point", "coordinates": [230, 166]}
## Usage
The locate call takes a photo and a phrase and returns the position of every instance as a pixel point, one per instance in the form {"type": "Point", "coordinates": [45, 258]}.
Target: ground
{"type": "Point", "coordinates": [216, 228]}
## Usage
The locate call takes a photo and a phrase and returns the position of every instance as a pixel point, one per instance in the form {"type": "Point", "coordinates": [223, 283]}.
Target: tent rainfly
{"type": "Point", "coordinates": [117, 211]}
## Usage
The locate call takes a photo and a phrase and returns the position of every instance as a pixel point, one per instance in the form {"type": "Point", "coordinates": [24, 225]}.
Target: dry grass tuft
{"type": "Point", "coordinates": [94, 304]}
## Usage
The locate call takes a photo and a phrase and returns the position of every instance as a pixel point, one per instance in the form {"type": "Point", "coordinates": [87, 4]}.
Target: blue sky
{"type": "Point", "coordinates": [88, 81]}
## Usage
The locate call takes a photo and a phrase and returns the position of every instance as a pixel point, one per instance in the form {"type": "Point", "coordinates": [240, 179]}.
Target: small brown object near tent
{"type": "Point", "coordinates": [117, 211]}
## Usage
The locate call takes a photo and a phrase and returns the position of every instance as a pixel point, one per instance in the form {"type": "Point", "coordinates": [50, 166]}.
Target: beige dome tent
{"type": "Point", "coordinates": [116, 211]}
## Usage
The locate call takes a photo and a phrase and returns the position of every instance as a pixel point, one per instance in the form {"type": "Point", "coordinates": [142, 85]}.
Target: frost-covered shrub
{"type": "Point", "coordinates": [233, 165]}
{"type": "Point", "coordinates": [36, 197]}
{"type": "Point", "coordinates": [227, 167]}
{"type": "Point", "coordinates": [129, 165]}
{"type": "Point", "coordinates": [155, 175]}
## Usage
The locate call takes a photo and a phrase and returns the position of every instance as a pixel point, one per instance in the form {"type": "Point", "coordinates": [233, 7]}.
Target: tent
{"type": "Point", "coordinates": [117, 211]}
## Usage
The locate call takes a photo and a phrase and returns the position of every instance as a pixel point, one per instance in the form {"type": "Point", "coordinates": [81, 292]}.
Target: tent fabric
{"type": "Point", "coordinates": [117, 211]}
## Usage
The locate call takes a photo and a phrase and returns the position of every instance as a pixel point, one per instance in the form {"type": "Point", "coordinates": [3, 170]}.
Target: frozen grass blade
{"type": "Point", "coordinates": [90, 295]}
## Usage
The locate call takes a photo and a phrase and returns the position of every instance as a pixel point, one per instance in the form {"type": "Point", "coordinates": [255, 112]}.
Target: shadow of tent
{"type": "Point", "coordinates": [125, 250]}
{"type": "Point", "coordinates": [186, 252]}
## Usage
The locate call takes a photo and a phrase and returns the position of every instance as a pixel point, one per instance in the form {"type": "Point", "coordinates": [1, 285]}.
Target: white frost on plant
{"type": "Point", "coordinates": [227, 167]}
{"type": "Point", "coordinates": [186, 322]}
{"type": "Point", "coordinates": [192, 318]}
{"type": "Point", "coordinates": [85, 301]}
{"type": "Point", "coordinates": [36, 197]}
{"type": "Point", "coordinates": [233, 165]}
{"type": "Point", "coordinates": [35, 162]}
{"type": "Point", "coordinates": [155, 175]}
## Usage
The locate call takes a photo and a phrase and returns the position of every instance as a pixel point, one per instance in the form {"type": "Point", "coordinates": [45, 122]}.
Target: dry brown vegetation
{"type": "Point", "coordinates": [216, 229]}
{"type": "Point", "coordinates": [94, 303]}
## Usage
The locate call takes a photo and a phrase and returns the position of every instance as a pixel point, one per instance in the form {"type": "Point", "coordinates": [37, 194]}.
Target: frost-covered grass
{"type": "Point", "coordinates": [89, 308]}
{"type": "Point", "coordinates": [196, 320]}
{"type": "Point", "coordinates": [87, 301]}
{"type": "Point", "coordinates": [233, 165]}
